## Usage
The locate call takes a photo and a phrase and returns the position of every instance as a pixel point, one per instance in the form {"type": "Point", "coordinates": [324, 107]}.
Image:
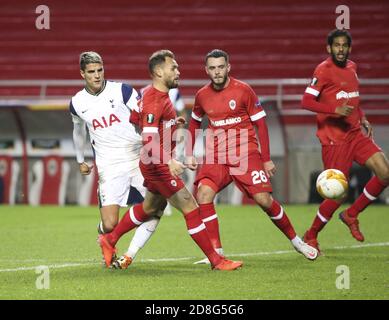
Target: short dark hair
{"type": "Point", "coordinates": [338, 33]}
{"type": "Point", "coordinates": [158, 58]}
{"type": "Point", "coordinates": [216, 53]}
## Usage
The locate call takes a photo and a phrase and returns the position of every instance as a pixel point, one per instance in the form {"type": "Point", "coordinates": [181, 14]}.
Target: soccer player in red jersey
{"type": "Point", "coordinates": [232, 154]}
{"type": "Point", "coordinates": [158, 122]}
{"type": "Point", "coordinates": [334, 95]}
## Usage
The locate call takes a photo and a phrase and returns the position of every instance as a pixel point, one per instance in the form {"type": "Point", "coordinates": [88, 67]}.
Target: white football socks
{"type": "Point", "coordinates": [141, 236]}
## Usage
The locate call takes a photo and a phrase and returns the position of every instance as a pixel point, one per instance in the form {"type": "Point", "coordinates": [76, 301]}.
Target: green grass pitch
{"type": "Point", "coordinates": [64, 240]}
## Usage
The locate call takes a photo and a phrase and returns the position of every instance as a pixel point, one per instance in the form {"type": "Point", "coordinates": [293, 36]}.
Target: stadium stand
{"type": "Point", "coordinates": [275, 45]}
{"type": "Point", "coordinates": [268, 40]}
{"type": "Point", "coordinates": [9, 172]}
{"type": "Point", "coordinates": [87, 195]}
{"type": "Point", "coordinates": [49, 181]}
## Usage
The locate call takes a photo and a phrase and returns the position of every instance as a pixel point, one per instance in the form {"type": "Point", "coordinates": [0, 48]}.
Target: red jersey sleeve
{"type": "Point", "coordinates": [319, 81]}
{"type": "Point", "coordinates": [194, 125]}
{"type": "Point", "coordinates": [257, 116]}
{"type": "Point", "coordinates": [254, 107]}
{"type": "Point", "coordinates": [197, 110]}
{"type": "Point", "coordinates": [151, 118]}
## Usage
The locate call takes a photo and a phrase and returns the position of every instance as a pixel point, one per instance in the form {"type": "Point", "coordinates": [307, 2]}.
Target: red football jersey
{"type": "Point", "coordinates": [230, 112]}
{"type": "Point", "coordinates": [332, 85]}
{"type": "Point", "coordinates": [157, 115]}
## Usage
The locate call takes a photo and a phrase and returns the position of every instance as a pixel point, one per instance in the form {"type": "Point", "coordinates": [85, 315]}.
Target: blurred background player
{"type": "Point", "coordinates": [334, 95]}
{"type": "Point", "coordinates": [104, 107]}
{"type": "Point", "coordinates": [158, 122]}
{"type": "Point", "coordinates": [232, 107]}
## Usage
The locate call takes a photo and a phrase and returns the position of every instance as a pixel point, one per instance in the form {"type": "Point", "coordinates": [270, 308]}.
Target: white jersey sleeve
{"type": "Point", "coordinates": [79, 134]}
{"type": "Point", "coordinates": [130, 97]}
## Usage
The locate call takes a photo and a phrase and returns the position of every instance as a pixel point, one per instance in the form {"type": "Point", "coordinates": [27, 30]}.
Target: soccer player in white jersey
{"type": "Point", "coordinates": [104, 109]}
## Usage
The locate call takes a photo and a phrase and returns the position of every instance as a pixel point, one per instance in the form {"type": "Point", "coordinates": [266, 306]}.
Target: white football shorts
{"type": "Point", "coordinates": [114, 186]}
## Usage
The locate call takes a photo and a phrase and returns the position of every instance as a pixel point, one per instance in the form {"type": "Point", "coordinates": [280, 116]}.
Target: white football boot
{"type": "Point", "coordinates": [305, 249]}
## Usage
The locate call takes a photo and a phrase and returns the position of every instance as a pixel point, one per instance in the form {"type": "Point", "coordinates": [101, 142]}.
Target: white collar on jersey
{"type": "Point", "coordinates": [97, 93]}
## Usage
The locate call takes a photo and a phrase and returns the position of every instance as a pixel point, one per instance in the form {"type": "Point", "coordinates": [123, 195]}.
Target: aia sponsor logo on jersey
{"type": "Point", "coordinates": [346, 95]}
{"type": "Point", "coordinates": [232, 104]}
{"type": "Point", "coordinates": [105, 123]}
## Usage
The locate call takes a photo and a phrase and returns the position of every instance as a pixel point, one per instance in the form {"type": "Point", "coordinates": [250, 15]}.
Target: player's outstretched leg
{"type": "Point", "coordinates": [205, 196]}
{"type": "Point", "coordinates": [184, 201]}
{"type": "Point", "coordinates": [353, 224]}
{"type": "Point", "coordinates": [350, 216]}
{"type": "Point", "coordinates": [131, 219]}
{"type": "Point", "coordinates": [281, 220]}
{"type": "Point", "coordinates": [324, 214]}
{"type": "Point", "coordinates": [142, 234]}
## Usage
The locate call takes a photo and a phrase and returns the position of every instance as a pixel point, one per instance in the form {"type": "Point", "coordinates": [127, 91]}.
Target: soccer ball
{"type": "Point", "coordinates": [332, 184]}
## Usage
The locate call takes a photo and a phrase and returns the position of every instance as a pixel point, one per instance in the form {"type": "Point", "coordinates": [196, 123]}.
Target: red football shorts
{"type": "Point", "coordinates": [159, 180]}
{"type": "Point", "coordinates": [249, 177]}
{"type": "Point", "coordinates": [341, 157]}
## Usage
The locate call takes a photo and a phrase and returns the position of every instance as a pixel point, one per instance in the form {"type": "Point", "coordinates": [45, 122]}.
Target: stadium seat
{"type": "Point", "coordinates": [49, 181]}
{"type": "Point", "coordinates": [9, 171]}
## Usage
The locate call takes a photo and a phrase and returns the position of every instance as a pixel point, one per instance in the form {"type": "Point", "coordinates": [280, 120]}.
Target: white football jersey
{"type": "Point", "coordinates": [106, 115]}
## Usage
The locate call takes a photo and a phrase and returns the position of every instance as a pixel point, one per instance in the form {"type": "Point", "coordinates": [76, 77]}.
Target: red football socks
{"type": "Point", "coordinates": [131, 219]}
{"type": "Point", "coordinates": [209, 217]}
{"type": "Point", "coordinates": [199, 234]}
{"type": "Point", "coordinates": [370, 193]}
{"type": "Point", "coordinates": [324, 214]}
{"type": "Point", "coordinates": [280, 219]}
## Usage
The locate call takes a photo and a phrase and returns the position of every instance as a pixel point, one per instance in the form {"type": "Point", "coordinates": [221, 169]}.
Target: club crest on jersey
{"type": "Point", "coordinates": [111, 102]}
{"type": "Point", "coordinates": [173, 183]}
{"type": "Point", "coordinates": [150, 118]}
{"type": "Point", "coordinates": [314, 81]}
{"type": "Point", "coordinates": [232, 104]}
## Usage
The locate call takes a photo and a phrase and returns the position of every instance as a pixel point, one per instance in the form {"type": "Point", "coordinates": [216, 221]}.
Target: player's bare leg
{"type": "Point", "coordinates": [183, 200]}
{"type": "Point", "coordinates": [205, 198]}
{"type": "Point", "coordinates": [281, 220]}
{"type": "Point", "coordinates": [109, 219]}
{"type": "Point", "coordinates": [379, 164]}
